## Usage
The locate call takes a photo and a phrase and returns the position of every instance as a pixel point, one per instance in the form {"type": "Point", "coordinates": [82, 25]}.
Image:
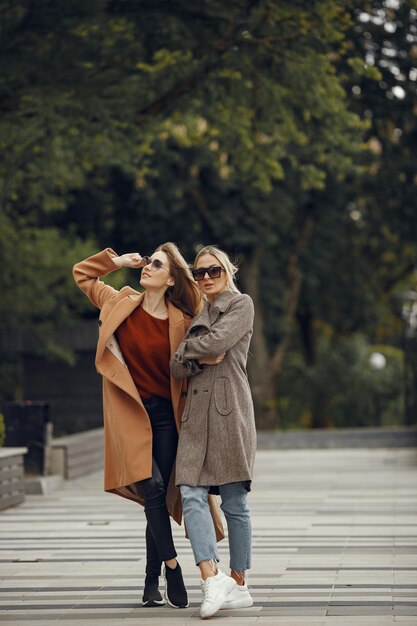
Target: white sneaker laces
{"type": "Point", "coordinates": [209, 593]}
{"type": "Point", "coordinates": [207, 587]}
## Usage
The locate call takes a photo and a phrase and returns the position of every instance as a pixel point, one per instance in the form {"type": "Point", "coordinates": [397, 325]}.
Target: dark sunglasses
{"type": "Point", "coordinates": [156, 264]}
{"type": "Point", "coordinates": [214, 272]}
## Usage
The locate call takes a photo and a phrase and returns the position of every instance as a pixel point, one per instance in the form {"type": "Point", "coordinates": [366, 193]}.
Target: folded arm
{"type": "Point", "coordinates": [234, 324]}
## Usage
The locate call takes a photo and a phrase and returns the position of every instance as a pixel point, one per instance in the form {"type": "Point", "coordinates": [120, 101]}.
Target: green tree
{"type": "Point", "coordinates": [364, 249]}
{"type": "Point", "coordinates": [130, 122]}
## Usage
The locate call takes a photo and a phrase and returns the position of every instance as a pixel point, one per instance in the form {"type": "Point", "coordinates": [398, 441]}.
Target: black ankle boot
{"type": "Point", "coordinates": [175, 591]}
{"type": "Point", "coordinates": [151, 595]}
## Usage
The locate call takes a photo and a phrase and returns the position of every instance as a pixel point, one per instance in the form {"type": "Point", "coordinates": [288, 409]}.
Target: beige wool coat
{"type": "Point", "coordinates": [127, 429]}
{"type": "Point", "coordinates": [217, 440]}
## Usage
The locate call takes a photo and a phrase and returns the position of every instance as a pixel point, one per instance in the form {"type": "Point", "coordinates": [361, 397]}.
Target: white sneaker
{"type": "Point", "coordinates": [215, 591]}
{"type": "Point", "coordinates": [238, 598]}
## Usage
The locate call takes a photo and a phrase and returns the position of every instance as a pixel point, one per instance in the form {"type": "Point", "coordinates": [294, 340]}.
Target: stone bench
{"type": "Point", "coordinates": [12, 482]}
{"type": "Point", "coordinates": [77, 455]}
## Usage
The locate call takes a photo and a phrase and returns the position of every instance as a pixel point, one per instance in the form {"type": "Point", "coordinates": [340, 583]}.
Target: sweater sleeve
{"type": "Point", "coordinates": [87, 276]}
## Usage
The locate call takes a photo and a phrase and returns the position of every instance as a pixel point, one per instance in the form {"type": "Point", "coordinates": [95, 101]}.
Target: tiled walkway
{"type": "Point", "coordinates": [335, 542]}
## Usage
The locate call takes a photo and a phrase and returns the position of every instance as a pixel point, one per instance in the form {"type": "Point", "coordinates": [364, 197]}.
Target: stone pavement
{"type": "Point", "coordinates": [335, 543]}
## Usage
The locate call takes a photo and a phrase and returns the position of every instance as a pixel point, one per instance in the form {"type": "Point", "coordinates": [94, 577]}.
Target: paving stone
{"type": "Point", "coordinates": [360, 610]}
{"type": "Point", "coordinates": [335, 543]}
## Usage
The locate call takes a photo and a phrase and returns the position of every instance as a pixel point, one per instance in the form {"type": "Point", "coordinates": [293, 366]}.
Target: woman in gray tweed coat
{"type": "Point", "coordinates": [217, 440]}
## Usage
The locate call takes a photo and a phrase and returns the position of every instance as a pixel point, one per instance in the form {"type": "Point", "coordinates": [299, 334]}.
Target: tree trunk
{"type": "Point", "coordinates": [318, 403]}
{"type": "Point", "coordinates": [264, 370]}
{"type": "Point", "coordinates": [260, 374]}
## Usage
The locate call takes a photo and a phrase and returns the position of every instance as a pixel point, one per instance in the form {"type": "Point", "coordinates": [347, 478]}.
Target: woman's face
{"type": "Point", "coordinates": [212, 287]}
{"type": "Point", "coordinates": [156, 275]}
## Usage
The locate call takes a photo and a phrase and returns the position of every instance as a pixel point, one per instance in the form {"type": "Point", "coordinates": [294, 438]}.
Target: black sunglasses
{"type": "Point", "coordinates": [214, 272]}
{"type": "Point", "coordinates": [156, 264]}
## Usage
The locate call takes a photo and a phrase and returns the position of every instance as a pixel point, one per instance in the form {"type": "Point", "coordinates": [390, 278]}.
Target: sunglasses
{"type": "Point", "coordinates": [214, 272]}
{"type": "Point", "coordinates": [155, 264]}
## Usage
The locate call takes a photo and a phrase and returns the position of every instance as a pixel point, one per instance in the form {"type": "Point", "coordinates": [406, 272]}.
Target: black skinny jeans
{"type": "Point", "coordinates": [159, 541]}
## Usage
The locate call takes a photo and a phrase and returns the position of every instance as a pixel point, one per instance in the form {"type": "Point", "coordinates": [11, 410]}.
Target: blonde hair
{"type": "Point", "coordinates": [224, 260]}
{"type": "Point", "coordinates": [184, 294]}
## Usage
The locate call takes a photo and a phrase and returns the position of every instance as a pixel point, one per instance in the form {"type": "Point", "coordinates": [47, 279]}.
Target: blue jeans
{"type": "Point", "coordinates": [200, 528]}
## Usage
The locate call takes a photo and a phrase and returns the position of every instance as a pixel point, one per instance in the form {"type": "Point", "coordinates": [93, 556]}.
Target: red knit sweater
{"type": "Point", "coordinates": [144, 342]}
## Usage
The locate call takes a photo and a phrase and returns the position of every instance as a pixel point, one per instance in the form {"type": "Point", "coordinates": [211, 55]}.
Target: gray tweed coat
{"type": "Point", "coordinates": [217, 440]}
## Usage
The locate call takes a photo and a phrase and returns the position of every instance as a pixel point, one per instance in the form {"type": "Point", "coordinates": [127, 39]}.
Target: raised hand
{"type": "Point", "coordinates": [130, 259]}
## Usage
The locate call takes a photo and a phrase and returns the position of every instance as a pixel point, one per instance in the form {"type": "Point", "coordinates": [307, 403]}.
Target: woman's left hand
{"type": "Point", "coordinates": [212, 360]}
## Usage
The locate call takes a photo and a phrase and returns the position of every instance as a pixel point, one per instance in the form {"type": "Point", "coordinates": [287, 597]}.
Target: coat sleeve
{"type": "Point", "coordinates": [234, 324]}
{"type": "Point", "coordinates": [87, 276]}
{"type": "Point", "coordinates": [182, 367]}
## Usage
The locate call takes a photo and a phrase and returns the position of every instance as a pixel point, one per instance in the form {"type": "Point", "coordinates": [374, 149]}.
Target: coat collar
{"type": "Point", "coordinates": [223, 300]}
{"type": "Point", "coordinates": [211, 312]}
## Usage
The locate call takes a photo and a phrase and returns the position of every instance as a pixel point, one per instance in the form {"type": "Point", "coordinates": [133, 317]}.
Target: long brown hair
{"type": "Point", "coordinates": [184, 294]}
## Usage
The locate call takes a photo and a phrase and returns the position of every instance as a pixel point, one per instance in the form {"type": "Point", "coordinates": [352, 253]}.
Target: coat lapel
{"type": "Point", "coordinates": [203, 319]}
{"type": "Point", "coordinates": [108, 365]}
{"type": "Point", "coordinates": [211, 312]}
{"type": "Point", "coordinates": [176, 334]}
{"type": "Point", "coordinates": [115, 317]}
{"type": "Point", "coordinates": [118, 374]}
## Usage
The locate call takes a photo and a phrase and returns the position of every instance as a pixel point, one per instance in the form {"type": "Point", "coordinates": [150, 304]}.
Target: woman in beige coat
{"type": "Point", "coordinates": [217, 442]}
{"type": "Point", "coordinates": [138, 332]}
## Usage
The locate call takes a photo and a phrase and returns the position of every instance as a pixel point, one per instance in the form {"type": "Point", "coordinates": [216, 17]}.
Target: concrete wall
{"type": "Point", "coordinates": [402, 437]}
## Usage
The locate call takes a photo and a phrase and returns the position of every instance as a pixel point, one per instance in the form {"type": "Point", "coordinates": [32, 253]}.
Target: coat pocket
{"type": "Point", "coordinates": [223, 395]}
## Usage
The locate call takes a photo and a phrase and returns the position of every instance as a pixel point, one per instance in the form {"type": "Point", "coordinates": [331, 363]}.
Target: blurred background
{"type": "Point", "coordinates": [284, 132]}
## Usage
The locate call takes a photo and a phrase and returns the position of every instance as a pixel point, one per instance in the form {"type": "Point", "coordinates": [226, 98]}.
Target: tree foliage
{"type": "Point", "coordinates": [124, 83]}
{"type": "Point", "coordinates": [250, 124]}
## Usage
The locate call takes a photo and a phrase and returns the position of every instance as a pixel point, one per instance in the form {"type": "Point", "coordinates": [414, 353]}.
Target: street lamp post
{"type": "Point", "coordinates": [408, 313]}
{"type": "Point", "coordinates": [377, 362]}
